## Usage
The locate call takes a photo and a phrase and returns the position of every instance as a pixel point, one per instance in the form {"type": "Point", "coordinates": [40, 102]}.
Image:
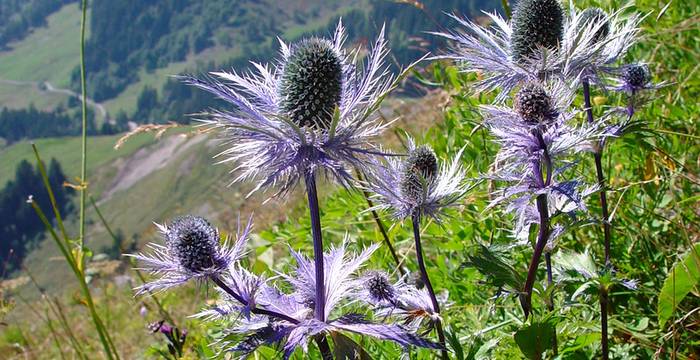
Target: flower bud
{"type": "Point", "coordinates": [534, 105]}
{"type": "Point", "coordinates": [194, 242]}
{"type": "Point", "coordinates": [312, 84]}
{"type": "Point", "coordinates": [379, 287]}
{"type": "Point", "coordinates": [536, 23]}
{"type": "Point", "coordinates": [419, 169]}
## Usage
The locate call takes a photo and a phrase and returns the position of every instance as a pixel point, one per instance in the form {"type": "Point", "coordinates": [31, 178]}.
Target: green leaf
{"type": "Point", "coordinates": [490, 262]}
{"type": "Point", "coordinates": [346, 348]}
{"type": "Point", "coordinates": [534, 339]}
{"type": "Point", "coordinates": [684, 276]}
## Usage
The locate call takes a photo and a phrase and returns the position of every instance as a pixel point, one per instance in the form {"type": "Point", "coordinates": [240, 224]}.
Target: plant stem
{"type": "Point", "coordinates": [382, 228]}
{"type": "Point", "coordinates": [543, 232]}
{"type": "Point", "coordinates": [542, 237]}
{"type": "Point", "coordinates": [320, 301]}
{"type": "Point", "coordinates": [83, 162]}
{"type": "Point", "coordinates": [604, 321]}
{"type": "Point", "coordinates": [426, 280]}
{"type": "Point", "coordinates": [607, 231]}
{"type": "Point", "coordinates": [314, 211]}
{"type": "Point", "coordinates": [77, 268]}
{"type": "Point", "coordinates": [597, 154]}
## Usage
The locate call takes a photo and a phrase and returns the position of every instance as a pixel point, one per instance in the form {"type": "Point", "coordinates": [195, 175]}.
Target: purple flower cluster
{"type": "Point", "coordinates": [312, 113]}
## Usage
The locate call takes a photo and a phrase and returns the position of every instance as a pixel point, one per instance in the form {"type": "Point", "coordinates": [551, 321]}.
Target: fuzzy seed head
{"type": "Point", "coordinates": [312, 84]}
{"type": "Point", "coordinates": [419, 169]}
{"type": "Point", "coordinates": [596, 17]}
{"type": "Point", "coordinates": [379, 287]}
{"type": "Point", "coordinates": [636, 76]}
{"type": "Point", "coordinates": [194, 242]}
{"type": "Point", "coordinates": [536, 23]}
{"type": "Point", "coordinates": [534, 105]}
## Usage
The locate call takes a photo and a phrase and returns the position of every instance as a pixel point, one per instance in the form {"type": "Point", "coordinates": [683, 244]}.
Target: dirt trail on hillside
{"type": "Point", "coordinates": [148, 160]}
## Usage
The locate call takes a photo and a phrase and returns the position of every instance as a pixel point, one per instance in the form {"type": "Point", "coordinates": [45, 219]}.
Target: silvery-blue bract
{"type": "Point", "coordinates": [342, 286]}
{"type": "Point", "coordinates": [405, 192]}
{"type": "Point", "coordinates": [298, 115]}
{"type": "Point", "coordinates": [521, 157]}
{"type": "Point", "coordinates": [192, 251]}
{"type": "Point", "coordinates": [581, 53]}
{"type": "Point", "coordinates": [404, 302]}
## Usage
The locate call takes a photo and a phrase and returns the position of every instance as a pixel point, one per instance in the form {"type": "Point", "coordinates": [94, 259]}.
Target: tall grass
{"type": "Point", "coordinates": [75, 252]}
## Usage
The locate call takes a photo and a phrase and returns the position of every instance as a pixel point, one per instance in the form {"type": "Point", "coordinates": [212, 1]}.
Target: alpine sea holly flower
{"type": "Point", "coordinates": [314, 110]}
{"type": "Point", "coordinates": [299, 325]}
{"type": "Point", "coordinates": [418, 184]}
{"type": "Point", "coordinates": [400, 300]}
{"type": "Point", "coordinates": [192, 251]}
{"type": "Point", "coordinates": [604, 40]}
{"type": "Point", "coordinates": [539, 42]}
{"type": "Point", "coordinates": [535, 137]}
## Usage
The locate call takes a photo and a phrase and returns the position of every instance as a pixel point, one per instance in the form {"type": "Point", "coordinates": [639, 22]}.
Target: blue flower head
{"type": "Point", "coordinates": [536, 138]}
{"type": "Point", "coordinates": [417, 183]}
{"type": "Point", "coordinates": [541, 42]}
{"type": "Point", "coordinates": [312, 110]}
{"type": "Point", "coordinates": [192, 251]}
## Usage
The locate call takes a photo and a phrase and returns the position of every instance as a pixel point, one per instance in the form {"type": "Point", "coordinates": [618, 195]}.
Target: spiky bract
{"type": "Point", "coordinates": [536, 24]}
{"type": "Point", "coordinates": [312, 83]}
{"type": "Point", "coordinates": [594, 16]}
{"type": "Point", "coordinates": [192, 251]}
{"type": "Point", "coordinates": [301, 326]}
{"type": "Point", "coordinates": [582, 52]}
{"type": "Point", "coordinates": [417, 184]}
{"type": "Point", "coordinates": [314, 110]}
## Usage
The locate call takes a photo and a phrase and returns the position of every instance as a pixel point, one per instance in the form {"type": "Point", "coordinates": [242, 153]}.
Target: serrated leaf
{"type": "Point", "coordinates": [683, 277]}
{"type": "Point", "coordinates": [498, 271]}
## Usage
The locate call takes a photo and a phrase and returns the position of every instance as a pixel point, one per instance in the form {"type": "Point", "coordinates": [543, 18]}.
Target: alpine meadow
{"type": "Point", "coordinates": [350, 179]}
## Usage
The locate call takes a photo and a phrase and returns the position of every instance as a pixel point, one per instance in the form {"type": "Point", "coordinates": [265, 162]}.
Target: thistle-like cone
{"type": "Point", "coordinates": [536, 23]}
{"type": "Point", "coordinates": [596, 17]}
{"type": "Point", "coordinates": [636, 76]}
{"type": "Point", "coordinates": [379, 287]}
{"type": "Point", "coordinates": [534, 105]}
{"type": "Point", "coordinates": [419, 170]}
{"type": "Point", "coordinates": [312, 83]}
{"type": "Point", "coordinates": [194, 242]}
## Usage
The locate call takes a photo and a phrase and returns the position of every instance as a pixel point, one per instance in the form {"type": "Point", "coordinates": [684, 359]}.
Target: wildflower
{"type": "Point", "coordinates": [604, 39]}
{"type": "Point", "coordinates": [413, 306]}
{"type": "Point", "coordinates": [313, 110]}
{"type": "Point", "coordinates": [192, 251]}
{"type": "Point", "coordinates": [290, 320]}
{"type": "Point", "coordinates": [540, 42]}
{"type": "Point", "coordinates": [535, 138]}
{"type": "Point", "coordinates": [536, 24]}
{"type": "Point", "coordinates": [418, 184]}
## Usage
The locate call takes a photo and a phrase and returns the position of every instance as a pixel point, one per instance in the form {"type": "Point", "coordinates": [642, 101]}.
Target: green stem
{"type": "Point", "coordinates": [83, 163]}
